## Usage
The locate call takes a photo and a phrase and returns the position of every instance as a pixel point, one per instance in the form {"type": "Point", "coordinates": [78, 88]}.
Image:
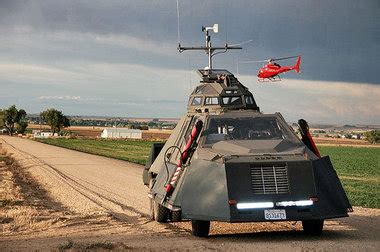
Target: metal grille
{"type": "Point", "coordinates": [269, 179]}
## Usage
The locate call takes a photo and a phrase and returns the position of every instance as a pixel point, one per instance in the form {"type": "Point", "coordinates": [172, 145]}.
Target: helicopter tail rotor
{"type": "Point", "coordinates": [297, 65]}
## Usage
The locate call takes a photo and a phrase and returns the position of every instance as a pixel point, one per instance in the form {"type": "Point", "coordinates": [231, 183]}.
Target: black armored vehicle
{"type": "Point", "coordinates": [227, 161]}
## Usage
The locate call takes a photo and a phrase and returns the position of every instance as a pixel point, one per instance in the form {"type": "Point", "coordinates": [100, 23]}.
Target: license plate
{"type": "Point", "coordinates": [275, 214]}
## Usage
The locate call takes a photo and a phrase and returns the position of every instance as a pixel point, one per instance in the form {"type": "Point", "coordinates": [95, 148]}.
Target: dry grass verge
{"type": "Point", "coordinates": [28, 210]}
{"type": "Point", "coordinates": [101, 246]}
{"type": "Point", "coordinates": [24, 205]}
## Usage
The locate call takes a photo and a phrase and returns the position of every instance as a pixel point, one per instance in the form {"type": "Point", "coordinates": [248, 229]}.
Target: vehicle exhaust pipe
{"type": "Point", "coordinates": [306, 137]}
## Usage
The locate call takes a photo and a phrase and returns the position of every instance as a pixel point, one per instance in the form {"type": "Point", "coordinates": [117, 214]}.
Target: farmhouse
{"type": "Point", "coordinates": [43, 134]}
{"type": "Point", "coordinates": [121, 133]}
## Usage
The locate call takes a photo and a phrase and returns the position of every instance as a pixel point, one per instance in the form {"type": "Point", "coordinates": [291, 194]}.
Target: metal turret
{"type": "Point", "coordinates": [220, 91]}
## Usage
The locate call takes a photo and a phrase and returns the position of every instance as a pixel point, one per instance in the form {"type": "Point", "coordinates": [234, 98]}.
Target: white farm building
{"type": "Point", "coordinates": [121, 133]}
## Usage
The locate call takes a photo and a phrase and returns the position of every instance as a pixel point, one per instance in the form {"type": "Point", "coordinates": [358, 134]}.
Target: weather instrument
{"type": "Point", "coordinates": [271, 70]}
{"type": "Point", "coordinates": [227, 161]}
{"type": "Point", "coordinates": [210, 50]}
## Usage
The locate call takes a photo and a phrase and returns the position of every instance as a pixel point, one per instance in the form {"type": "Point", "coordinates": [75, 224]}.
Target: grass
{"type": "Point", "coordinates": [101, 246]}
{"type": "Point", "coordinates": [67, 245]}
{"type": "Point", "coordinates": [359, 170]}
{"type": "Point", "coordinates": [24, 204]}
{"type": "Point", "coordinates": [357, 167]}
{"type": "Point", "coordinates": [135, 151]}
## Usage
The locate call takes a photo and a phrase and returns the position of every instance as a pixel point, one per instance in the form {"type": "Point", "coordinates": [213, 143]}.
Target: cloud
{"type": "Point", "coordinates": [132, 89]}
{"type": "Point", "coordinates": [36, 73]}
{"type": "Point", "coordinates": [333, 47]}
{"type": "Point", "coordinates": [29, 37]}
{"type": "Point", "coordinates": [96, 89]}
{"type": "Point", "coordinates": [110, 39]}
{"type": "Point", "coordinates": [56, 97]}
{"type": "Point", "coordinates": [120, 57]}
{"type": "Point", "coordinates": [319, 101]}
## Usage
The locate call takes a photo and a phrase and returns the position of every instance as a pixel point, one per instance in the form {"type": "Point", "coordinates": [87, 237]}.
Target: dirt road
{"type": "Point", "coordinates": [108, 203]}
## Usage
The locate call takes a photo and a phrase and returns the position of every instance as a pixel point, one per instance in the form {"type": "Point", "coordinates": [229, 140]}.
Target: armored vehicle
{"type": "Point", "coordinates": [227, 161]}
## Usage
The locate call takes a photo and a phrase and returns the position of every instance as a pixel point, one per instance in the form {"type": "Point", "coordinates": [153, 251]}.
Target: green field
{"type": "Point", "coordinates": [358, 167]}
{"type": "Point", "coordinates": [359, 171]}
{"type": "Point", "coordinates": [135, 151]}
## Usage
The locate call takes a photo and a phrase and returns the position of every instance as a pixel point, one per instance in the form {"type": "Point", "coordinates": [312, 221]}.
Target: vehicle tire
{"type": "Point", "coordinates": [312, 227]}
{"type": "Point", "coordinates": [200, 228]}
{"type": "Point", "coordinates": [161, 213]}
{"type": "Point", "coordinates": [175, 216]}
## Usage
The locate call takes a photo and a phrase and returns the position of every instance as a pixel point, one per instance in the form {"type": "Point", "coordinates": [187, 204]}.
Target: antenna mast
{"type": "Point", "coordinates": [209, 49]}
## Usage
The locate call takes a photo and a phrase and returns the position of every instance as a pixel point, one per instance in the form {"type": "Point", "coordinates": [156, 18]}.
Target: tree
{"type": "Point", "coordinates": [12, 117]}
{"type": "Point", "coordinates": [21, 127]}
{"type": "Point", "coordinates": [55, 119]}
{"type": "Point", "coordinates": [1, 119]}
{"type": "Point", "coordinates": [373, 136]}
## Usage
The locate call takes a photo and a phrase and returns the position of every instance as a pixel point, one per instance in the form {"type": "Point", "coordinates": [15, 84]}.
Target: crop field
{"type": "Point", "coordinates": [357, 167]}
{"type": "Point", "coordinates": [135, 151]}
{"type": "Point", "coordinates": [359, 170]}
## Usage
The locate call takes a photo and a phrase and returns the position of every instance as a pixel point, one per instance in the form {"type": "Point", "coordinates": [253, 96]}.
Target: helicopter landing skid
{"type": "Point", "coordinates": [270, 79]}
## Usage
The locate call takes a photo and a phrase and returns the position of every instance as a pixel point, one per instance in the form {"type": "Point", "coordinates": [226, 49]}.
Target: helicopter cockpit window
{"type": "Point", "coordinates": [249, 100]}
{"type": "Point", "coordinates": [196, 101]}
{"type": "Point", "coordinates": [211, 101]}
{"type": "Point", "coordinates": [232, 100]}
{"type": "Point", "coordinates": [250, 128]}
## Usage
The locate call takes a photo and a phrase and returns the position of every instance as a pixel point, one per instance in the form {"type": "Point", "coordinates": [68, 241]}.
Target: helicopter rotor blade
{"type": "Point", "coordinates": [252, 61]}
{"type": "Point", "coordinates": [267, 60]}
{"type": "Point", "coordinates": [291, 57]}
{"type": "Point", "coordinates": [242, 43]}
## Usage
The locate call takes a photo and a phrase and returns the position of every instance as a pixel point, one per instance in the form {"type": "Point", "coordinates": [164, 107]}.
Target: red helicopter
{"type": "Point", "coordinates": [271, 70]}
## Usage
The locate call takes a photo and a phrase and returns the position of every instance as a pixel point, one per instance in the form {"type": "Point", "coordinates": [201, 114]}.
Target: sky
{"type": "Point", "coordinates": [119, 58]}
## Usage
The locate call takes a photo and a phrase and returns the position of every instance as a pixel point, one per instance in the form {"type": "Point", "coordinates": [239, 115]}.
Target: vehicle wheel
{"type": "Point", "coordinates": [161, 213]}
{"type": "Point", "coordinates": [200, 228]}
{"type": "Point", "coordinates": [175, 216]}
{"type": "Point", "coordinates": [312, 227]}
